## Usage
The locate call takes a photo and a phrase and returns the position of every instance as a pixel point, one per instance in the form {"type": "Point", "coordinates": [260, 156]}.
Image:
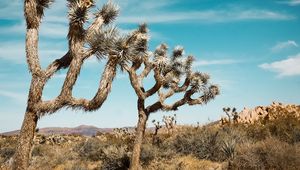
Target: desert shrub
{"type": "Point", "coordinates": [8, 141]}
{"type": "Point", "coordinates": [182, 163]}
{"type": "Point", "coordinates": [149, 153]}
{"type": "Point", "coordinates": [281, 123]}
{"type": "Point", "coordinates": [90, 149]}
{"type": "Point", "coordinates": [49, 156]}
{"type": "Point", "coordinates": [204, 143]}
{"type": "Point", "coordinates": [285, 127]}
{"type": "Point", "coordinates": [6, 153]}
{"type": "Point", "coordinates": [117, 138]}
{"type": "Point", "coordinates": [115, 158]}
{"type": "Point", "coordinates": [39, 150]}
{"type": "Point", "coordinates": [77, 167]}
{"type": "Point", "coordinates": [270, 153]}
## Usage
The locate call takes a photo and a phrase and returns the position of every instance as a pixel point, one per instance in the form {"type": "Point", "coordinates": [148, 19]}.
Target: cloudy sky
{"type": "Point", "coordinates": [250, 48]}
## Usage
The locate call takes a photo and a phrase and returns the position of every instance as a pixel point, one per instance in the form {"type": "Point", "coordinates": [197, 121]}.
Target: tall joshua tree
{"type": "Point", "coordinates": [84, 41]}
{"type": "Point", "coordinates": [172, 74]}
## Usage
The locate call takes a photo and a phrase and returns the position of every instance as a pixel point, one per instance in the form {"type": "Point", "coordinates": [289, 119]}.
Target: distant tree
{"type": "Point", "coordinates": [157, 126]}
{"type": "Point", "coordinates": [84, 41]}
{"type": "Point", "coordinates": [232, 115]}
{"type": "Point", "coordinates": [170, 123]}
{"type": "Point", "coordinates": [172, 75]}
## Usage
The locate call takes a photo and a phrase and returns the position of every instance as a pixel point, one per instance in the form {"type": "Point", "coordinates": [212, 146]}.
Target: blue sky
{"type": "Point", "coordinates": [250, 48]}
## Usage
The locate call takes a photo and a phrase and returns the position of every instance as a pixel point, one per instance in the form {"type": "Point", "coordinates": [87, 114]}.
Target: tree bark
{"type": "Point", "coordinates": [25, 141]}
{"type": "Point", "coordinates": [23, 151]}
{"type": "Point", "coordinates": [140, 131]}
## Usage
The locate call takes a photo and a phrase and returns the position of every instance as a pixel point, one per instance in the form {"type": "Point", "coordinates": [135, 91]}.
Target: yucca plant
{"type": "Point", "coordinates": [228, 148]}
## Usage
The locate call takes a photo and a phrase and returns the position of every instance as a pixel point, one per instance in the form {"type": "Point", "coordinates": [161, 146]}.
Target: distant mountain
{"type": "Point", "coordinates": [82, 130]}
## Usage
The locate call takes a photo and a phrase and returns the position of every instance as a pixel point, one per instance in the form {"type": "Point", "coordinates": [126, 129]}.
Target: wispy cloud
{"type": "Point", "coordinates": [290, 2]}
{"type": "Point", "coordinates": [47, 30]}
{"type": "Point", "coordinates": [14, 51]}
{"type": "Point", "coordinates": [284, 68]}
{"type": "Point", "coordinates": [284, 45]}
{"type": "Point", "coordinates": [144, 5]}
{"type": "Point", "coordinates": [13, 95]}
{"type": "Point", "coordinates": [207, 16]}
{"type": "Point", "coordinates": [214, 62]}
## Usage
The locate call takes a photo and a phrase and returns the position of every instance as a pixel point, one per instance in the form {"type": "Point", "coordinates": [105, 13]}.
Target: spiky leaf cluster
{"type": "Point", "coordinates": [199, 81]}
{"type": "Point", "coordinates": [211, 93]}
{"type": "Point", "coordinates": [161, 60]}
{"type": "Point", "coordinates": [78, 13]}
{"type": "Point", "coordinates": [107, 41]}
{"type": "Point", "coordinates": [132, 47]}
{"type": "Point", "coordinates": [177, 69]}
{"type": "Point", "coordinates": [42, 5]}
{"type": "Point", "coordinates": [104, 41]}
{"type": "Point", "coordinates": [138, 40]}
{"type": "Point", "coordinates": [174, 67]}
{"type": "Point", "coordinates": [108, 12]}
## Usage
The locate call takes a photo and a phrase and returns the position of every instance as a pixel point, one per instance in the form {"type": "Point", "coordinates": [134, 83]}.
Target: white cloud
{"type": "Point", "coordinates": [284, 45]}
{"type": "Point", "coordinates": [287, 67]}
{"type": "Point", "coordinates": [290, 2]}
{"type": "Point", "coordinates": [15, 51]}
{"type": "Point", "coordinates": [208, 16]}
{"type": "Point", "coordinates": [214, 62]}
{"type": "Point", "coordinates": [47, 30]}
{"type": "Point", "coordinates": [152, 12]}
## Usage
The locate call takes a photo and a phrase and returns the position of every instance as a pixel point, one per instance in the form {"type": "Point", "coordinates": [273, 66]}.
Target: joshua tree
{"type": "Point", "coordinates": [170, 122]}
{"type": "Point", "coordinates": [84, 41]}
{"type": "Point", "coordinates": [232, 115]}
{"type": "Point", "coordinates": [157, 126]}
{"type": "Point", "coordinates": [172, 75]}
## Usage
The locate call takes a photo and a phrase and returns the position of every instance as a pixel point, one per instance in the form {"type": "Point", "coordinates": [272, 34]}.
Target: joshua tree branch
{"type": "Point", "coordinates": [87, 105]}
{"type": "Point", "coordinates": [33, 12]}
{"type": "Point", "coordinates": [63, 62]}
{"type": "Point", "coordinates": [147, 69]}
{"type": "Point", "coordinates": [134, 80]}
{"type": "Point", "coordinates": [159, 82]}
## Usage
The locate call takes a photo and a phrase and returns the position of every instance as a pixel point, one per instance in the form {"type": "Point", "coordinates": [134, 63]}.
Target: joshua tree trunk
{"type": "Point", "coordinates": [25, 142]}
{"type": "Point", "coordinates": [140, 131]}
{"type": "Point", "coordinates": [23, 150]}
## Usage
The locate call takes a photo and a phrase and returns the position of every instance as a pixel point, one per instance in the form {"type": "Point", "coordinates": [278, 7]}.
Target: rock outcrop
{"type": "Point", "coordinates": [267, 112]}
